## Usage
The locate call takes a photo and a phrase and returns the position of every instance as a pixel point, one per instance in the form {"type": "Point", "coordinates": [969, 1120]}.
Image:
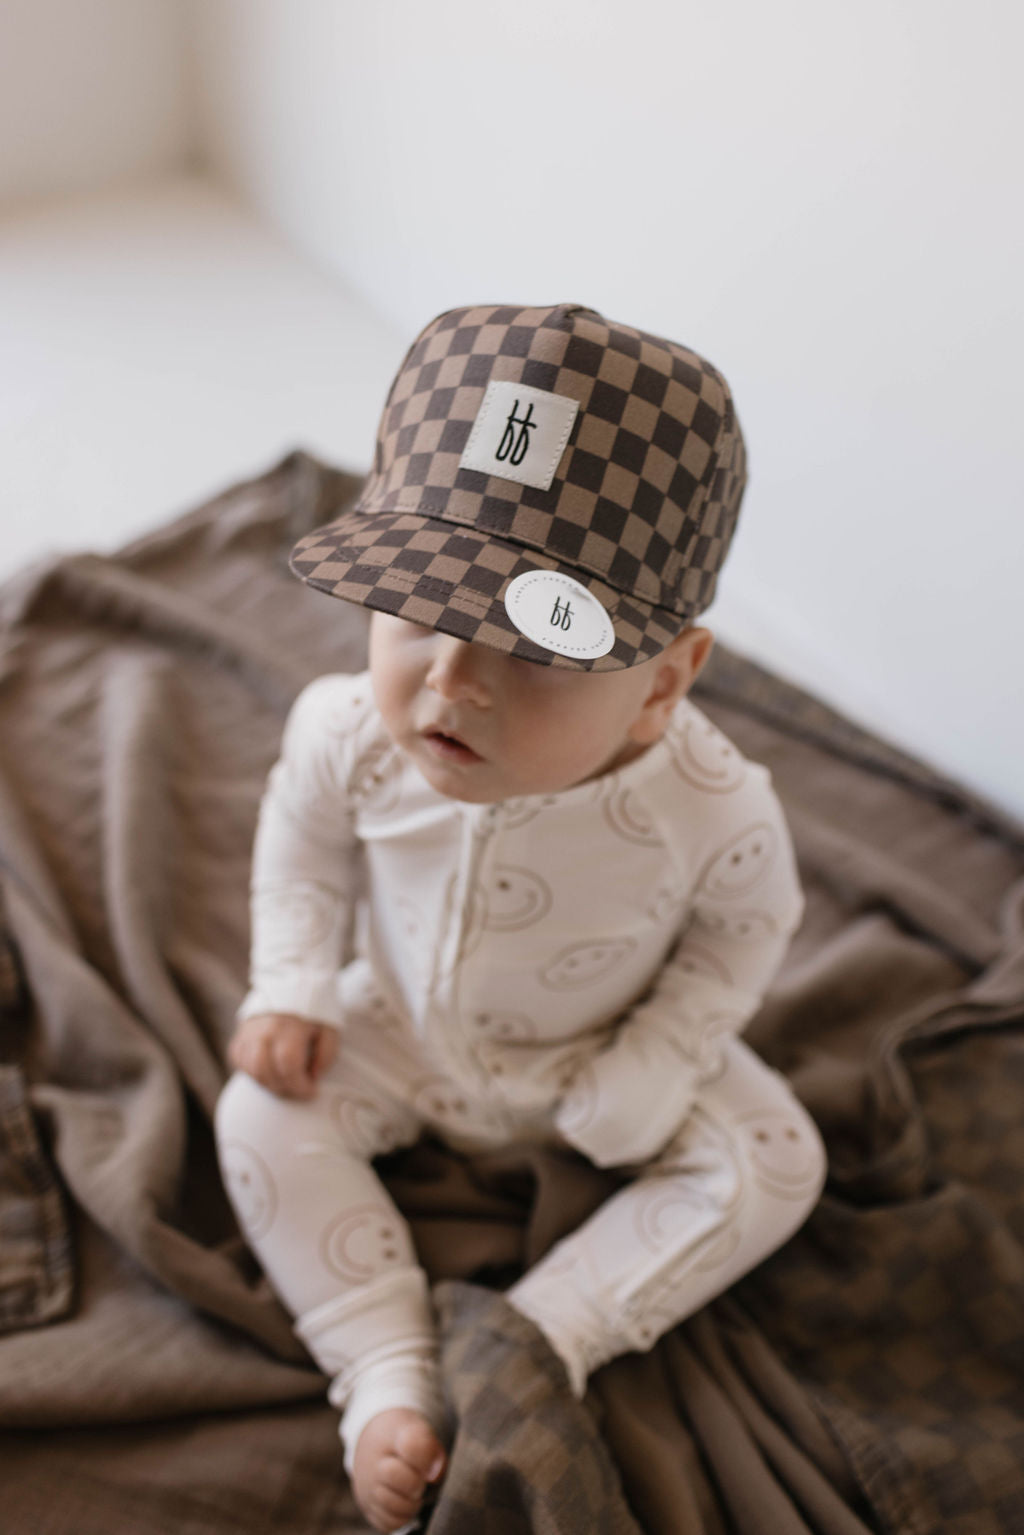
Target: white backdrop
{"type": "Point", "coordinates": [92, 92]}
{"type": "Point", "coordinates": [823, 198]}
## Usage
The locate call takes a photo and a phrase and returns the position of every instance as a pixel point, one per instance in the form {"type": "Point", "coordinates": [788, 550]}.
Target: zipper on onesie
{"type": "Point", "coordinates": [459, 926]}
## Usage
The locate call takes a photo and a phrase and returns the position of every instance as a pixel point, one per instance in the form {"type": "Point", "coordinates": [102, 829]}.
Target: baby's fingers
{"type": "Point", "coordinates": [251, 1053]}
{"type": "Point", "coordinates": [290, 1060]}
{"type": "Point", "coordinates": [248, 1052]}
{"type": "Point", "coordinates": [274, 1050]}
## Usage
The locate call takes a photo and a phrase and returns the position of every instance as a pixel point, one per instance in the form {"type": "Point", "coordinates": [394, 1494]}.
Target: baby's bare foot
{"type": "Point", "coordinates": [397, 1456]}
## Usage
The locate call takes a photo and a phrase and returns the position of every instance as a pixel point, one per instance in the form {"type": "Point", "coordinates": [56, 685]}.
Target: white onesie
{"type": "Point", "coordinates": [575, 966]}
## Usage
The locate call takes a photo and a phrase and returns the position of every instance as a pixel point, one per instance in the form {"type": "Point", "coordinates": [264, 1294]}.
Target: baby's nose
{"type": "Point", "coordinates": [458, 672]}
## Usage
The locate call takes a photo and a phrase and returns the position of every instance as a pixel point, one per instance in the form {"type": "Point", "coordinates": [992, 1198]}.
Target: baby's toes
{"type": "Point", "coordinates": [419, 1447]}
{"type": "Point", "coordinates": [401, 1481]}
{"type": "Point", "coordinates": [389, 1510]}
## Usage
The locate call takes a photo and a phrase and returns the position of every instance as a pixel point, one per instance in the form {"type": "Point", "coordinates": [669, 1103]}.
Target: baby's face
{"type": "Point", "coordinates": [482, 726]}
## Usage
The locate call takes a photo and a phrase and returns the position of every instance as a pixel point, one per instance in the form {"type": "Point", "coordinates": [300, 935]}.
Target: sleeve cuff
{"type": "Point", "coordinates": [305, 997]}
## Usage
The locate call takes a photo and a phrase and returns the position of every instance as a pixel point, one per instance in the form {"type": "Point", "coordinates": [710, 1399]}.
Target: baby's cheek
{"type": "Point", "coordinates": [545, 740]}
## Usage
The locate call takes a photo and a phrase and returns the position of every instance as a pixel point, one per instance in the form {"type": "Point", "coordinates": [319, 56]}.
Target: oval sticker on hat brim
{"type": "Point", "coordinates": [560, 614]}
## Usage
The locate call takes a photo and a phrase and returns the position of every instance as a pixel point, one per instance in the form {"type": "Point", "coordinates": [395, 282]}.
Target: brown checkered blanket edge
{"type": "Point", "coordinates": [870, 1376]}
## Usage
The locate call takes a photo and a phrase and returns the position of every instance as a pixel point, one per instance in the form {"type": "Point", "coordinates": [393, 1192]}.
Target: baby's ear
{"type": "Point", "coordinates": [681, 663]}
{"type": "Point", "coordinates": [675, 672]}
{"type": "Point", "coordinates": [697, 644]}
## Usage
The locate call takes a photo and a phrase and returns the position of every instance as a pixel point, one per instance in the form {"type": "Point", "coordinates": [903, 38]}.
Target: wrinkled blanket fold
{"type": "Point", "coordinates": [868, 1377]}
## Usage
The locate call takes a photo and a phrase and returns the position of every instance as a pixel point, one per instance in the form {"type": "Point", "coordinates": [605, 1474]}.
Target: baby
{"type": "Point", "coordinates": [511, 885]}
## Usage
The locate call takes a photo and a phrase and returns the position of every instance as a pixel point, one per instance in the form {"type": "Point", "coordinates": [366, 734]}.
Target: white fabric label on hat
{"type": "Point", "coordinates": [559, 613]}
{"type": "Point", "coordinates": [520, 433]}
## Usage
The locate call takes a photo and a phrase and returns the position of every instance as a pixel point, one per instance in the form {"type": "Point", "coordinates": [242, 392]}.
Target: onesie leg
{"type": "Point", "coordinates": [332, 1241]}
{"type": "Point", "coordinates": [734, 1184]}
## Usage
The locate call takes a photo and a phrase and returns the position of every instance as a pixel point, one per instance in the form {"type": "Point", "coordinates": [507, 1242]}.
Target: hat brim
{"type": "Point", "coordinates": [454, 578]}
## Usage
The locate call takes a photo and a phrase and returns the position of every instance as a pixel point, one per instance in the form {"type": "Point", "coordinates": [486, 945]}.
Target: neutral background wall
{"type": "Point", "coordinates": [92, 93]}
{"type": "Point", "coordinates": [158, 338]}
{"type": "Point", "coordinates": [823, 198]}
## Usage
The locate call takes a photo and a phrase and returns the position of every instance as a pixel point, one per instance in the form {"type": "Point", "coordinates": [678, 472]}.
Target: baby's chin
{"type": "Point", "coordinates": [477, 786]}
{"type": "Point", "coordinates": [471, 784]}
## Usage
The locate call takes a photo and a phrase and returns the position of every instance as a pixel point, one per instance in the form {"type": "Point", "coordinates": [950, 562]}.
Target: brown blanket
{"type": "Point", "coordinates": [868, 1377]}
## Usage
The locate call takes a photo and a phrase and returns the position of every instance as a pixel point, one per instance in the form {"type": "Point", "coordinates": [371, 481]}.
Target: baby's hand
{"type": "Point", "coordinates": [284, 1052]}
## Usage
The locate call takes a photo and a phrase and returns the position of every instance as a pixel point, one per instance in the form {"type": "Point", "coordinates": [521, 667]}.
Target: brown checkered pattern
{"type": "Point", "coordinates": [526, 1456]}
{"type": "Point", "coordinates": [642, 507]}
{"type": "Point", "coordinates": [36, 1252]}
{"type": "Point", "coordinates": [905, 1319]}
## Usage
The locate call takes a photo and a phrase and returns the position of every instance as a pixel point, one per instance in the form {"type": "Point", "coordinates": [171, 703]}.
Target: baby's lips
{"type": "Point", "coordinates": [447, 742]}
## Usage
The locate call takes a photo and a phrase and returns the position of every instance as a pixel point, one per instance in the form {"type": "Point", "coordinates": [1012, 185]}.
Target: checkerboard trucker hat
{"type": "Point", "coordinates": [548, 483]}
